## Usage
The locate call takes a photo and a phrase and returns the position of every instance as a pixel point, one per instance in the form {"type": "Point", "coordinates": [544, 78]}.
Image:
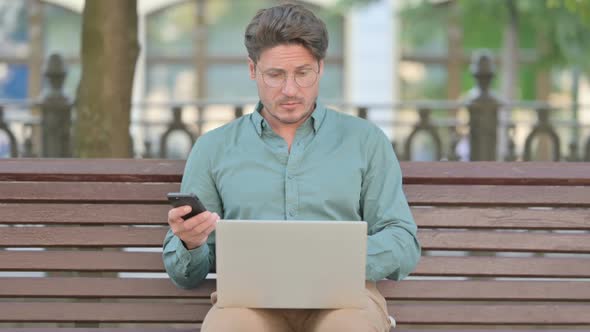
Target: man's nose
{"type": "Point", "coordinates": [290, 87]}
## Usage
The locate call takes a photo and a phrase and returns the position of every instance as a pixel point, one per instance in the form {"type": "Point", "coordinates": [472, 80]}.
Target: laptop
{"type": "Point", "coordinates": [291, 264]}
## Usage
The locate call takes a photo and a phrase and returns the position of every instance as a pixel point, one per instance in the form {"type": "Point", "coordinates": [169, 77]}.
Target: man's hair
{"type": "Point", "coordinates": [283, 25]}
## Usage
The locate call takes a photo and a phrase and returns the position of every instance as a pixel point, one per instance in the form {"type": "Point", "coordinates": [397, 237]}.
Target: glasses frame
{"type": "Point", "coordinates": [317, 74]}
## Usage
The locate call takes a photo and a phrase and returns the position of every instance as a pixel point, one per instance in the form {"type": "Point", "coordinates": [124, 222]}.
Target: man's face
{"type": "Point", "coordinates": [292, 101]}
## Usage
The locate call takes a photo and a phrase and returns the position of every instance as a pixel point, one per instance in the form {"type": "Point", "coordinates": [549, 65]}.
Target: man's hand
{"type": "Point", "coordinates": [194, 231]}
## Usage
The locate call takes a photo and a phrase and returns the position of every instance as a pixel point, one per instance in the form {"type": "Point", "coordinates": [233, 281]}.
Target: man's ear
{"type": "Point", "coordinates": [252, 67]}
{"type": "Point", "coordinates": [321, 64]}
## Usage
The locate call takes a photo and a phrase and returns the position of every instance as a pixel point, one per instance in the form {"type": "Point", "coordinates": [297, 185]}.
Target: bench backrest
{"type": "Point", "coordinates": [504, 244]}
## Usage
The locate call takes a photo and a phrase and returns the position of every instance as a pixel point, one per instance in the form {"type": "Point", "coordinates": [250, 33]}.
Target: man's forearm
{"type": "Point", "coordinates": [392, 253]}
{"type": "Point", "coordinates": [186, 268]}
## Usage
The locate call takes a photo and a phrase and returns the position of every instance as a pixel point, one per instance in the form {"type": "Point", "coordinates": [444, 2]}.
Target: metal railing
{"type": "Point", "coordinates": [468, 129]}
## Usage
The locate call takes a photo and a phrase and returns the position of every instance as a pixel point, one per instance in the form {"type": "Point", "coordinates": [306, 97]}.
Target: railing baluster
{"type": "Point", "coordinates": [238, 111]}
{"type": "Point", "coordinates": [11, 139]}
{"type": "Point", "coordinates": [28, 145]}
{"type": "Point", "coordinates": [511, 155]}
{"type": "Point", "coordinates": [362, 112]}
{"type": "Point", "coordinates": [147, 153]}
{"type": "Point", "coordinates": [424, 125]}
{"type": "Point", "coordinates": [587, 154]}
{"type": "Point", "coordinates": [543, 127]}
{"type": "Point", "coordinates": [201, 120]}
{"type": "Point", "coordinates": [455, 139]}
{"type": "Point", "coordinates": [56, 111]}
{"type": "Point", "coordinates": [573, 152]}
{"type": "Point", "coordinates": [483, 110]}
{"type": "Point", "coordinates": [175, 125]}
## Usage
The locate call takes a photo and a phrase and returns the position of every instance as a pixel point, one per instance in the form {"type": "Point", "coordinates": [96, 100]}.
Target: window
{"type": "Point", "coordinates": [29, 32]}
{"type": "Point", "coordinates": [205, 37]}
{"type": "Point", "coordinates": [14, 49]}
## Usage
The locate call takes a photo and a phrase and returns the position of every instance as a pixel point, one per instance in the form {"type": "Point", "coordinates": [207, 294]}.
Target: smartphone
{"type": "Point", "coordinates": [181, 199]}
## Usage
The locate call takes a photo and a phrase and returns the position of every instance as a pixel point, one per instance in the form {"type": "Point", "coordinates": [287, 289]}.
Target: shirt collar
{"type": "Point", "coordinates": [318, 116]}
{"type": "Point", "coordinates": [257, 120]}
{"type": "Point", "coordinates": [260, 122]}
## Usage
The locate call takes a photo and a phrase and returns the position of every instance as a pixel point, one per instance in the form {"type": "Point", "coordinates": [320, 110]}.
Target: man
{"type": "Point", "coordinates": [293, 159]}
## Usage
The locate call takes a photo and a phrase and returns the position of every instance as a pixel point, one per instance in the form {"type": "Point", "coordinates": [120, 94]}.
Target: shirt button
{"type": "Point", "coordinates": [290, 177]}
{"type": "Point", "coordinates": [292, 213]}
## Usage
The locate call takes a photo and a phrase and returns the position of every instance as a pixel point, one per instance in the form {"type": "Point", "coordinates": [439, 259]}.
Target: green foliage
{"type": "Point", "coordinates": [556, 32]}
{"type": "Point", "coordinates": [342, 6]}
{"type": "Point", "coordinates": [579, 7]}
{"type": "Point", "coordinates": [421, 22]}
{"type": "Point", "coordinates": [482, 23]}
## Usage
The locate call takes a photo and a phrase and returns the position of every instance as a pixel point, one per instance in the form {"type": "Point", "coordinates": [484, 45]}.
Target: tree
{"type": "Point", "coordinates": [109, 53]}
{"type": "Point", "coordinates": [557, 29]}
{"type": "Point", "coordinates": [579, 7]}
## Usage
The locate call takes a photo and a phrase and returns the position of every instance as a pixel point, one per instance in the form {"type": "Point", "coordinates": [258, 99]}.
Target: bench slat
{"type": "Point", "coordinates": [414, 328]}
{"type": "Point", "coordinates": [163, 329]}
{"type": "Point", "coordinates": [139, 329]}
{"type": "Point", "coordinates": [504, 241]}
{"type": "Point", "coordinates": [162, 170]}
{"type": "Point", "coordinates": [485, 290]}
{"type": "Point", "coordinates": [62, 312]}
{"type": "Point", "coordinates": [504, 267]}
{"type": "Point", "coordinates": [502, 218]}
{"type": "Point", "coordinates": [506, 173]}
{"type": "Point", "coordinates": [90, 287]}
{"type": "Point", "coordinates": [85, 170]}
{"type": "Point", "coordinates": [103, 192]}
{"type": "Point", "coordinates": [48, 213]}
{"type": "Point", "coordinates": [89, 261]}
{"type": "Point", "coordinates": [89, 236]}
{"type": "Point", "coordinates": [196, 329]}
{"type": "Point", "coordinates": [439, 217]}
{"type": "Point", "coordinates": [105, 261]}
{"type": "Point", "coordinates": [114, 236]}
{"type": "Point", "coordinates": [476, 195]}
{"type": "Point", "coordinates": [469, 290]}
{"type": "Point", "coordinates": [463, 195]}
{"type": "Point", "coordinates": [493, 314]}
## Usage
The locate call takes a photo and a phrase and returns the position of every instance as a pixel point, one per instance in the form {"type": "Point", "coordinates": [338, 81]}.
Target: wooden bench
{"type": "Point", "coordinates": [506, 245]}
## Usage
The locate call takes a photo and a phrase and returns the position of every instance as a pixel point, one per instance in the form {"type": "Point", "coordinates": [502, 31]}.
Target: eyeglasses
{"type": "Point", "coordinates": [304, 78]}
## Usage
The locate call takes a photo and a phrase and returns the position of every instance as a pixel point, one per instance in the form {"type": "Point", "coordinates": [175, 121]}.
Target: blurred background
{"type": "Point", "coordinates": [445, 79]}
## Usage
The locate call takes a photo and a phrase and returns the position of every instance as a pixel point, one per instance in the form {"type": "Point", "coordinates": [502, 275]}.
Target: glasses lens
{"type": "Point", "coordinates": [274, 79]}
{"type": "Point", "coordinates": [306, 78]}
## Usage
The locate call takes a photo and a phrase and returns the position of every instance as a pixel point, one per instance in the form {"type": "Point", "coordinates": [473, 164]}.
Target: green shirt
{"type": "Point", "coordinates": [340, 167]}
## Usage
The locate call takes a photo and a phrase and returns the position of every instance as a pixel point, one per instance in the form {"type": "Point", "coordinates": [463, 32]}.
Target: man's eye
{"type": "Point", "coordinates": [303, 73]}
{"type": "Point", "coordinates": [274, 75]}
